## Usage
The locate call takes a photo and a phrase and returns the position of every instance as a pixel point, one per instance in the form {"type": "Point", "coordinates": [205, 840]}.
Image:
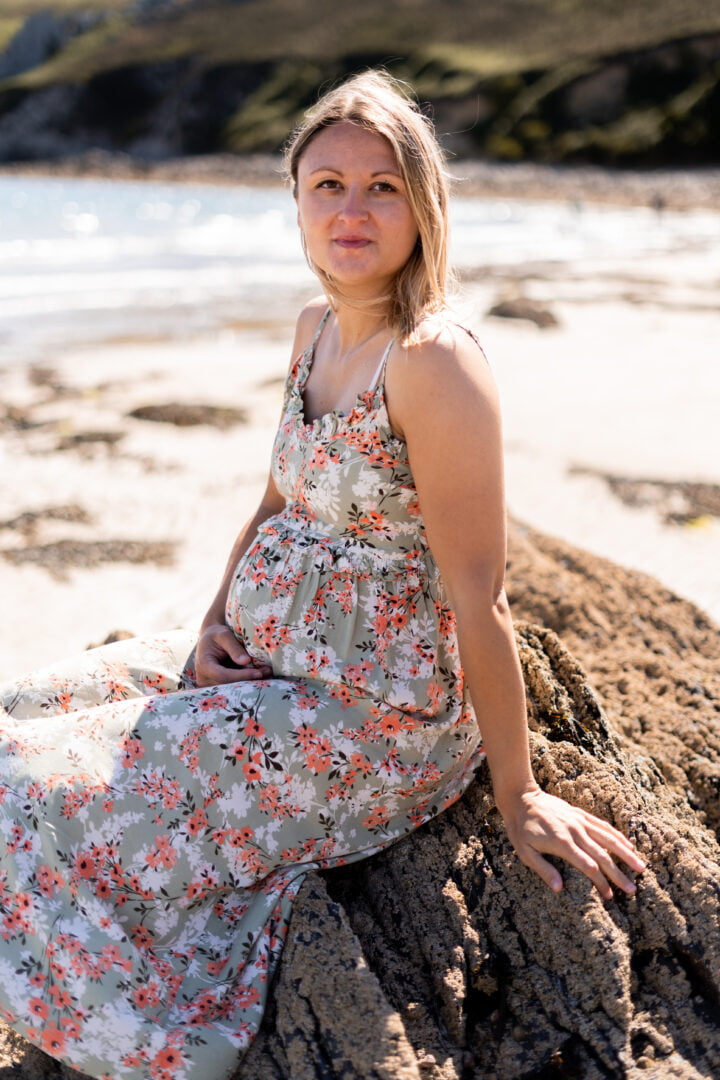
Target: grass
{"type": "Point", "coordinates": [23, 8]}
{"type": "Point", "coordinates": [518, 54]}
{"type": "Point", "coordinates": [8, 29]}
{"type": "Point", "coordinates": [77, 61]}
{"type": "Point", "coordinates": [480, 37]}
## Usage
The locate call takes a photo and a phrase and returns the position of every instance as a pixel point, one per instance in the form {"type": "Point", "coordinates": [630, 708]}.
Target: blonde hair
{"type": "Point", "coordinates": [379, 104]}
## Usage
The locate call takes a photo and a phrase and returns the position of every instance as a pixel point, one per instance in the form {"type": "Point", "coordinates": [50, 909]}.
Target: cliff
{"type": "Point", "coordinates": [600, 82]}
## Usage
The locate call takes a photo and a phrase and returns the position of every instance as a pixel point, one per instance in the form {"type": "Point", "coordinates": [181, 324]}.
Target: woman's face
{"type": "Point", "coordinates": [353, 209]}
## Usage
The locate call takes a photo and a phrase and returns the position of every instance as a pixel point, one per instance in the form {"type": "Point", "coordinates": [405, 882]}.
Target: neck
{"type": "Point", "coordinates": [355, 326]}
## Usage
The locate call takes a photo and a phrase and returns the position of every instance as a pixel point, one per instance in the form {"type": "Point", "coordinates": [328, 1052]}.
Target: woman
{"type": "Point", "coordinates": [159, 825]}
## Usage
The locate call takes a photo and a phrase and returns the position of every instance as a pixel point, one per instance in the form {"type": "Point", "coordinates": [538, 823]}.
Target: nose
{"type": "Point", "coordinates": [354, 206]}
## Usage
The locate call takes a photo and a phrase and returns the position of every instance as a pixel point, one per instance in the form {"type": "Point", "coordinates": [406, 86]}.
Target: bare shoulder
{"type": "Point", "coordinates": [445, 372]}
{"type": "Point", "coordinates": [307, 323]}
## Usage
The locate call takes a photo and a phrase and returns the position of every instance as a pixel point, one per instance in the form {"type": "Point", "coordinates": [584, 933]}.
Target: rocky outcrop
{"type": "Point", "coordinates": [443, 958]}
{"type": "Point", "coordinates": [462, 964]}
{"type": "Point", "coordinates": [40, 37]}
{"type": "Point", "coordinates": [158, 78]}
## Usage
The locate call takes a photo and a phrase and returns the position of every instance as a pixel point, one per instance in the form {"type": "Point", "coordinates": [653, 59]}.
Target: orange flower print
{"type": "Point", "coordinates": [53, 1040]}
{"type": "Point", "coordinates": [38, 1008]}
{"type": "Point", "coordinates": [214, 967]}
{"type": "Point", "coordinates": [132, 750]}
{"type": "Point", "coordinates": [197, 823]}
{"type": "Point", "coordinates": [70, 1025]}
{"type": "Point", "coordinates": [318, 763]}
{"type": "Point", "coordinates": [344, 694]}
{"type": "Point", "coordinates": [391, 725]}
{"type": "Point", "coordinates": [142, 938]}
{"type": "Point", "coordinates": [166, 1064]}
{"type": "Point", "coordinates": [140, 997]}
{"type": "Point", "coordinates": [85, 867]}
{"type": "Point", "coordinates": [162, 853]}
{"type": "Point", "coordinates": [237, 753]}
{"type": "Point", "coordinates": [252, 772]}
{"type": "Point", "coordinates": [378, 818]}
{"type": "Point", "coordinates": [306, 736]}
{"type": "Point", "coordinates": [103, 889]}
{"type": "Point", "coordinates": [61, 998]}
{"type": "Point", "coordinates": [269, 635]}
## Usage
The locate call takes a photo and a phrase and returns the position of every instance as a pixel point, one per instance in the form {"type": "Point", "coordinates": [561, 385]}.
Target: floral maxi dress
{"type": "Point", "coordinates": [154, 834]}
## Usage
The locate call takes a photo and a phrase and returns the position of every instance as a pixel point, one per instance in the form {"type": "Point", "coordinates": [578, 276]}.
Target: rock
{"type": "Point", "coordinates": [489, 974]}
{"type": "Point", "coordinates": [41, 35]}
{"type": "Point", "coordinates": [444, 958]}
{"type": "Point", "coordinates": [521, 307]}
{"type": "Point", "coordinates": [111, 638]}
{"type": "Point", "coordinates": [60, 556]}
{"type": "Point", "coordinates": [189, 414]}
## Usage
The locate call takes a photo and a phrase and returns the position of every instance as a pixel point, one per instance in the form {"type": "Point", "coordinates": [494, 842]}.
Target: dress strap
{"type": "Point", "coordinates": [320, 326]}
{"type": "Point", "coordinates": [381, 366]}
{"type": "Point", "coordinates": [475, 338]}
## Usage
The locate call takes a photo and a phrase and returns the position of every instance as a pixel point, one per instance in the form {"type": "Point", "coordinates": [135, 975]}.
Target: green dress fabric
{"type": "Point", "coordinates": [154, 834]}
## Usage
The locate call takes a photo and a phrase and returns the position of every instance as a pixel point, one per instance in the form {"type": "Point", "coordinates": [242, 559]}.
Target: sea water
{"type": "Point", "coordinates": [94, 259]}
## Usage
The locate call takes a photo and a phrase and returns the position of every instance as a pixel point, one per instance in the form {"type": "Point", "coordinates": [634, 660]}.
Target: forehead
{"type": "Point", "coordinates": [345, 144]}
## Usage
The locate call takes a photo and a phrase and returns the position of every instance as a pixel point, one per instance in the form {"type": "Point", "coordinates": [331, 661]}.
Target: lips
{"type": "Point", "coordinates": [352, 241]}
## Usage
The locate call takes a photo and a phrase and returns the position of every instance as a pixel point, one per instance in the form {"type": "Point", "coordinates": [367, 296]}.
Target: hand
{"type": "Point", "coordinates": [539, 822]}
{"type": "Point", "coordinates": [221, 658]}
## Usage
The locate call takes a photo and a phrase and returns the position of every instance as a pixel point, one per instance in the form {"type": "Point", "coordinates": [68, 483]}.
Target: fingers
{"type": "Point", "coordinates": [591, 845]}
{"type": "Point", "coordinates": [220, 674]}
{"type": "Point", "coordinates": [615, 842]}
{"type": "Point", "coordinates": [591, 860]}
{"type": "Point", "coordinates": [597, 864]}
{"type": "Point", "coordinates": [220, 659]}
{"type": "Point", "coordinates": [233, 648]}
{"type": "Point", "coordinates": [534, 861]}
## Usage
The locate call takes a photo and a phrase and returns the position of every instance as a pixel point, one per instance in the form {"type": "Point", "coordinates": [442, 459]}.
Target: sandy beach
{"type": "Point", "coordinates": [113, 522]}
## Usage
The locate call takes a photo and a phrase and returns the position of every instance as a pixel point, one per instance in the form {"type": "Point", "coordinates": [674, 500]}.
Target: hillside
{"type": "Point", "coordinates": [547, 80]}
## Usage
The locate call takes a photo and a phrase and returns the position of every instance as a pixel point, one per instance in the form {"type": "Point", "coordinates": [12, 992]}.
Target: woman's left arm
{"type": "Point", "coordinates": [442, 400]}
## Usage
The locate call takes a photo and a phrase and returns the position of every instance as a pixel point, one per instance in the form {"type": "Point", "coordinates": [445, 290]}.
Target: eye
{"type": "Point", "coordinates": [384, 185]}
{"type": "Point", "coordinates": [328, 184]}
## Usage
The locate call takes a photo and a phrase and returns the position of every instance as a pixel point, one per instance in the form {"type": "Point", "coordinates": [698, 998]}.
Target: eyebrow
{"type": "Point", "coordinates": [338, 172]}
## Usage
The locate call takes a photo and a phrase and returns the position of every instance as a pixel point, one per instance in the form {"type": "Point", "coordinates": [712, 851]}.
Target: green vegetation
{"type": "Point", "coordinates": [483, 38]}
{"type": "Point", "coordinates": [76, 62]}
{"type": "Point", "coordinates": [509, 69]}
{"type": "Point", "coordinates": [23, 8]}
{"type": "Point", "coordinates": [8, 29]}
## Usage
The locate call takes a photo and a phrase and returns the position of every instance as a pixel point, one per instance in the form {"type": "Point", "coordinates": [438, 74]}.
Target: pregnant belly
{"type": "Point", "coordinates": [387, 637]}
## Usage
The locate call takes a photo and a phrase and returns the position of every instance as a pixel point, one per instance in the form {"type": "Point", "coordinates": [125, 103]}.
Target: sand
{"type": "Point", "coordinates": [622, 389]}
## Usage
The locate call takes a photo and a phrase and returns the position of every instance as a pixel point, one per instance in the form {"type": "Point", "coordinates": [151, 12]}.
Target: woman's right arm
{"type": "Point", "coordinates": [219, 656]}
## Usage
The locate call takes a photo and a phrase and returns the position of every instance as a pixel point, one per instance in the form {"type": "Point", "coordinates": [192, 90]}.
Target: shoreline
{"type": "Point", "coordinates": [661, 189]}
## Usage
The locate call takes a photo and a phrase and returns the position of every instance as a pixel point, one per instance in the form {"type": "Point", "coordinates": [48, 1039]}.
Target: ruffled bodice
{"type": "Point", "coordinates": [341, 585]}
